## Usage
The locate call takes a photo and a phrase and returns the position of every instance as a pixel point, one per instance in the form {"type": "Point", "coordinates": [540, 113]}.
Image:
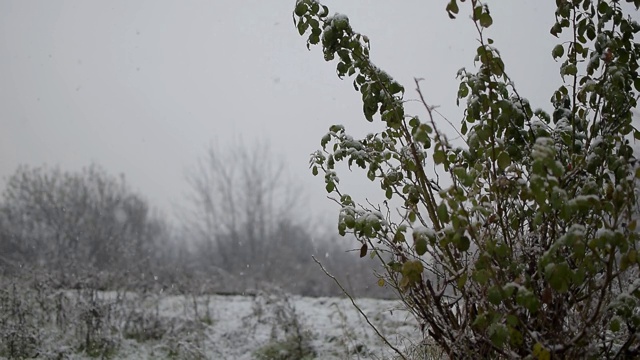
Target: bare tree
{"type": "Point", "coordinates": [240, 199]}
{"type": "Point", "coordinates": [247, 220]}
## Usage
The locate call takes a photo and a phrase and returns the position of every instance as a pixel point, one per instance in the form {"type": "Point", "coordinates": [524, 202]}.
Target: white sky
{"type": "Point", "coordinates": [143, 87]}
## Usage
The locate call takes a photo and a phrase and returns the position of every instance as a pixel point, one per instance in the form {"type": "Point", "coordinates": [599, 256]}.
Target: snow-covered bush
{"type": "Point", "coordinates": [530, 248]}
{"type": "Point", "coordinates": [288, 339]}
{"type": "Point", "coordinates": [20, 336]}
{"type": "Point", "coordinates": [37, 319]}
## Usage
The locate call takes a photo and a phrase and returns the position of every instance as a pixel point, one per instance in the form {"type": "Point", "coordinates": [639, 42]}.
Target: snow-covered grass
{"type": "Point", "coordinates": [82, 324]}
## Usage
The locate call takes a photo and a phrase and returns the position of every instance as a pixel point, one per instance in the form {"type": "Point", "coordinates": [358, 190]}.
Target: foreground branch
{"type": "Point", "coordinates": [353, 302]}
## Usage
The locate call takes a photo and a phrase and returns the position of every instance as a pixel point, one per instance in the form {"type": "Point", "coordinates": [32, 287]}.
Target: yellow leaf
{"type": "Point", "coordinates": [540, 353]}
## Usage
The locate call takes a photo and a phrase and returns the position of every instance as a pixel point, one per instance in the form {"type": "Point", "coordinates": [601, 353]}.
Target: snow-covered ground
{"type": "Point", "coordinates": [238, 326]}
{"type": "Point", "coordinates": [90, 324]}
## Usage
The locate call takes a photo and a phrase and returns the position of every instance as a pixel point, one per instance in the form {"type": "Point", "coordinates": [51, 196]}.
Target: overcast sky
{"type": "Point", "coordinates": [143, 87]}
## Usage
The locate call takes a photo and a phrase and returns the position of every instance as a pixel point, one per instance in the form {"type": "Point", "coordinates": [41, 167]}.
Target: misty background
{"type": "Point", "coordinates": [143, 88]}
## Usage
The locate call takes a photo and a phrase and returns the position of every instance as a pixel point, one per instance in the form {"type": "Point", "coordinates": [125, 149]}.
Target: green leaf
{"type": "Point", "coordinates": [558, 51]}
{"type": "Point", "coordinates": [497, 67]}
{"type": "Point", "coordinates": [464, 243]}
{"type": "Point", "coordinates": [330, 186]}
{"type": "Point", "coordinates": [315, 7]}
{"type": "Point", "coordinates": [315, 24]}
{"type": "Point", "coordinates": [504, 160]}
{"type": "Point", "coordinates": [485, 20]}
{"type": "Point", "coordinates": [556, 29]}
{"type": "Point", "coordinates": [494, 295]}
{"type": "Point", "coordinates": [350, 221]}
{"type": "Point", "coordinates": [314, 39]}
{"type": "Point", "coordinates": [452, 9]}
{"type": "Point", "coordinates": [398, 237]}
{"type": "Point", "coordinates": [558, 276]}
{"type": "Point", "coordinates": [421, 245]}
{"type": "Point", "coordinates": [632, 255]}
{"type": "Point", "coordinates": [615, 325]}
{"type": "Point", "coordinates": [460, 172]}
{"type": "Point", "coordinates": [325, 139]}
{"type": "Point", "coordinates": [603, 7]}
{"type": "Point", "coordinates": [370, 108]}
{"type": "Point", "coordinates": [443, 212]}
{"type": "Point", "coordinates": [395, 88]}
{"type": "Point", "coordinates": [342, 229]}
{"type": "Point", "coordinates": [480, 276]}
{"type": "Point", "coordinates": [412, 271]}
{"type": "Point", "coordinates": [439, 157]}
{"type": "Point", "coordinates": [483, 133]}
{"type": "Point", "coordinates": [481, 321]}
{"type": "Point", "coordinates": [412, 217]}
{"type": "Point", "coordinates": [302, 27]}
{"type": "Point", "coordinates": [569, 69]}
{"type": "Point", "coordinates": [463, 91]}
{"type": "Point", "coordinates": [498, 334]}
{"type": "Point", "coordinates": [512, 320]}
{"type": "Point", "coordinates": [301, 9]}
{"type": "Point", "coordinates": [528, 300]}
{"type": "Point", "coordinates": [336, 128]}
{"type": "Point", "coordinates": [477, 12]}
{"type": "Point", "coordinates": [422, 137]}
{"type": "Point", "coordinates": [371, 175]}
{"type": "Point", "coordinates": [395, 266]}
{"type": "Point", "coordinates": [314, 170]}
{"type": "Point", "coordinates": [591, 33]}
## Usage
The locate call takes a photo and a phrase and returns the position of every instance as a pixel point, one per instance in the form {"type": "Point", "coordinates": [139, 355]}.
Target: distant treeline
{"type": "Point", "coordinates": [87, 228]}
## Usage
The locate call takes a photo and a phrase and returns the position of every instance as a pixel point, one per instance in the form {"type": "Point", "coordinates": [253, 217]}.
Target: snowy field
{"type": "Point", "coordinates": [240, 325]}
{"type": "Point", "coordinates": [84, 324]}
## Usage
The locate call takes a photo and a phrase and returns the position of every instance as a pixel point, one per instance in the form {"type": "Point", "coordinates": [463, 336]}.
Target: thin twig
{"type": "Point", "coordinates": [353, 302]}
